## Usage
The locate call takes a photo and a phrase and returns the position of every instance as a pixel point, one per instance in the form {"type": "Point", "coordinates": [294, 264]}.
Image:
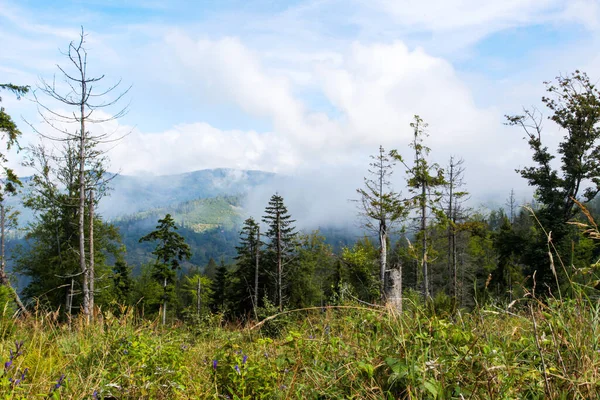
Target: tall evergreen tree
{"type": "Point", "coordinates": [170, 251]}
{"type": "Point", "coordinates": [248, 270]}
{"type": "Point", "coordinates": [424, 180]}
{"type": "Point", "coordinates": [220, 286]}
{"type": "Point", "coordinates": [52, 261]}
{"type": "Point", "coordinates": [381, 207]}
{"type": "Point", "coordinates": [281, 235]}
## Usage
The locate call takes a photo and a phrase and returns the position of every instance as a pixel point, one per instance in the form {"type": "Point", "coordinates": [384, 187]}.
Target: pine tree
{"type": "Point", "coordinates": [248, 267]}
{"type": "Point", "coordinates": [210, 270]}
{"type": "Point", "coordinates": [122, 282]}
{"type": "Point", "coordinates": [170, 251]}
{"type": "Point", "coordinates": [423, 181]}
{"type": "Point", "coordinates": [281, 235]}
{"type": "Point", "coordinates": [219, 288]}
{"type": "Point", "coordinates": [381, 207]}
{"type": "Point", "coordinates": [52, 260]}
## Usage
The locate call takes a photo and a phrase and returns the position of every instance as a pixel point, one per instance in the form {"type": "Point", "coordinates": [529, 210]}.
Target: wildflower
{"type": "Point", "coordinates": [95, 395]}
{"type": "Point", "coordinates": [21, 379]}
{"type": "Point", "coordinates": [244, 359]}
{"type": "Point", "coordinates": [237, 369]}
{"type": "Point", "coordinates": [8, 364]}
{"type": "Point", "coordinates": [59, 382]}
{"type": "Point", "coordinates": [215, 362]}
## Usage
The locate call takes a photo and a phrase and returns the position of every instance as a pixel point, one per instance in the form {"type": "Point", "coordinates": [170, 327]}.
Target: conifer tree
{"type": "Point", "coordinates": [381, 207]}
{"type": "Point", "coordinates": [423, 181]}
{"type": "Point", "coordinates": [219, 288]}
{"type": "Point", "coordinates": [281, 235]}
{"type": "Point", "coordinates": [248, 267]}
{"type": "Point", "coordinates": [170, 250]}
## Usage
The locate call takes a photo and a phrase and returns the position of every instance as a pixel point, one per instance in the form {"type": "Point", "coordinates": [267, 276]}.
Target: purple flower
{"type": "Point", "coordinates": [95, 395]}
{"type": "Point", "coordinates": [8, 364]}
{"type": "Point", "coordinates": [244, 359]}
{"type": "Point", "coordinates": [59, 382]}
{"type": "Point", "coordinates": [237, 369]}
{"type": "Point", "coordinates": [215, 363]}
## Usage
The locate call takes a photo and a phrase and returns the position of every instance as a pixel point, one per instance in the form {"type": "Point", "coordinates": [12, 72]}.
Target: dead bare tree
{"type": "Point", "coordinates": [89, 105]}
{"type": "Point", "coordinates": [454, 197]}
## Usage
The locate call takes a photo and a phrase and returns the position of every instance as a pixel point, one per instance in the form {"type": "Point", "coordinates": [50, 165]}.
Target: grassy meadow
{"type": "Point", "coordinates": [527, 349]}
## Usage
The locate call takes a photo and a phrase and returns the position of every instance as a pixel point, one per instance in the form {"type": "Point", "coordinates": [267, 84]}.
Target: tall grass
{"type": "Point", "coordinates": [531, 349]}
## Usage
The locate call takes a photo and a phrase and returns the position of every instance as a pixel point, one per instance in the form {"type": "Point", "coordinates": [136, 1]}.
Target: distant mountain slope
{"type": "Point", "coordinates": [132, 194]}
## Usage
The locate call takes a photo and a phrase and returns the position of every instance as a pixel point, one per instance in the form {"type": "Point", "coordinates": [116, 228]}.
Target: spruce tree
{"type": "Point", "coordinates": [170, 251]}
{"type": "Point", "coordinates": [381, 207]}
{"type": "Point", "coordinates": [423, 180]}
{"type": "Point", "coordinates": [219, 288]}
{"type": "Point", "coordinates": [248, 271]}
{"type": "Point", "coordinates": [281, 235]}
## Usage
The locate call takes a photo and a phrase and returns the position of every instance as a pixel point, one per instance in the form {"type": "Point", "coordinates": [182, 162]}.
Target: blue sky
{"type": "Point", "coordinates": [303, 86]}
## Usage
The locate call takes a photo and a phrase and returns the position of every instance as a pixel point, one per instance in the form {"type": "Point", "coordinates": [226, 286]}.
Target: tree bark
{"type": "Point", "coordinates": [279, 264]}
{"type": "Point", "coordinates": [199, 296]}
{"type": "Point", "coordinates": [91, 267]}
{"type": "Point", "coordinates": [424, 240]}
{"type": "Point", "coordinates": [164, 316]}
{"type": "Point", "coordinates": [82, 143]}
{"type": "Point", "coordinates": [382, 259]}
{"type": "Point", "coordinates": [256, 272]}
{"type": "Point", "coordinates": [394, 288]}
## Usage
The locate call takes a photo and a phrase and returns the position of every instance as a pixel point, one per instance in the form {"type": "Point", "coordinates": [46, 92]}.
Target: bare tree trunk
{"type": "Point", "coordinates": [279, 264]}
{"type": "Point", "coordinates": [82, 143]}
{"type": "Point", "coordinates": [394, 288]}
{"type": "Point", "coordinates": [382, 259]}
{"type": "Point", "coordinates": [450, 213]}
{"type": "Point", "coordinates": [164, 316]}
{"type": "Point", "coordinates": [91, 267]}
{"type": "Point", "coordinates": [256, 271]}
{"type": "Point", "coordinates": [424, 240]}
{"type": "Point", "coordinates": [199, 296]}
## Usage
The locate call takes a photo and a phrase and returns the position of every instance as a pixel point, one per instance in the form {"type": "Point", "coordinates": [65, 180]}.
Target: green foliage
{"type": "Point", "coordinates": [360, 269]}
{"type": "Point", "coordinates": [281, 244]}
{"type": "Point", "coordinates": [248, 278]}
{"type": "Point", "coordinates": [310, 277]}
{"type": "Point", "coordinates": [122, 282]}
{"type": "Point", "coordinates": [530, 350]}
{"type": "Point", "coordinates": [574, 104]}
{"type": "Point", "coordinates": [9, 134]}
{"type": "Point", "coordinates": [170, 250]}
